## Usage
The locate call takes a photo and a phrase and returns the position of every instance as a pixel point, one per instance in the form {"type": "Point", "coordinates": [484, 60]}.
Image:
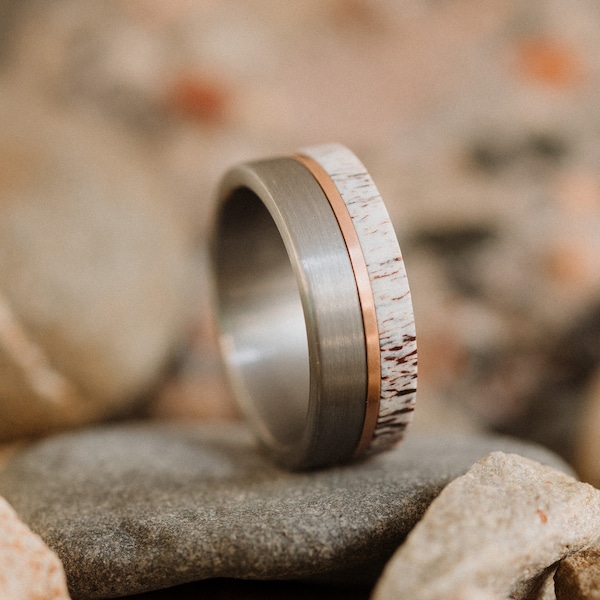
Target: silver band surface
{"type": "Point", "coordinates": [294, 313]}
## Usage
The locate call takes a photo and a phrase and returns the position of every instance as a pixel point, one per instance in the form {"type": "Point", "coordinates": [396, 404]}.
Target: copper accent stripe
{"type": "Point", "coordinates": [365, 296]}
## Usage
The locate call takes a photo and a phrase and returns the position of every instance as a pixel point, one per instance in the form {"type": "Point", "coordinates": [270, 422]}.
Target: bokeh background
{"type": "Point", "coordinates": [479, 121]}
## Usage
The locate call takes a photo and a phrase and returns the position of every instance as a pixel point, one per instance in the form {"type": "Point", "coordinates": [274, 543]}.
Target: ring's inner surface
{"type": "Point", "coordinates": [263, 330]}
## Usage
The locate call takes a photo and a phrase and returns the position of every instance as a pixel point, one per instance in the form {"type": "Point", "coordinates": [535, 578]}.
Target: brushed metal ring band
{"type": "Point", "coordinates": [313, 306]}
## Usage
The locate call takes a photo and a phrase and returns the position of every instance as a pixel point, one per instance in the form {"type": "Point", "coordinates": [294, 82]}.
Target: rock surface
{"type": "Point", "coordinates": [94, 271]}
{"type": "Point", "coordinates": [578, 576]}
{"type": "Point", "coordinates": [134, 507]}
{"type": "Point", "coordinates": [29, 570]}
{"type": "Point", "coordinates": [494, 533]}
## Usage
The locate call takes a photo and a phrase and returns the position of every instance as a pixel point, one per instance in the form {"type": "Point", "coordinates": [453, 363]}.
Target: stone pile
{"type": "Point", "coordinates": [140, 506]}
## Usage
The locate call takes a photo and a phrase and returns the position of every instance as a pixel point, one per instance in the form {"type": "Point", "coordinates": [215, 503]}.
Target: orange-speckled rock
{"type": "Point", "coordinates": [29, 570]}
{"type": "Point", "coordinates": [496, 532]}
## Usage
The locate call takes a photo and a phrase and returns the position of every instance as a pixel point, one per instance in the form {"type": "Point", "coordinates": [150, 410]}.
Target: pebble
{"type": "Point", "coordinates": [496, 532]}
{"type": "Point", "coordinates": [140, 506]}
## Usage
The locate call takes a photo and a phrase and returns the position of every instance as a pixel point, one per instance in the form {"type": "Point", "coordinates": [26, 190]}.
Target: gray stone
{"type": "Point", "coordinates": [496, 532]}
{"type": "Point", "coordinates": [134, 507]}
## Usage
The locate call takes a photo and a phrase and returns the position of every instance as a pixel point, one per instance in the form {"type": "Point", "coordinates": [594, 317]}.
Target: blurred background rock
{"type": "Point", "coordinates": [480, 123]}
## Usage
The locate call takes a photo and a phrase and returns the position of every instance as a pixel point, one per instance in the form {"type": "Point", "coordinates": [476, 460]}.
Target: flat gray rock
{"type": "Point", "coordinates": [136, 507]}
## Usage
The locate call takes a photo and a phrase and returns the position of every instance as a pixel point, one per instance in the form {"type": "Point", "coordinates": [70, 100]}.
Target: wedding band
{"type": "Point", "coordinates": [313, 307]}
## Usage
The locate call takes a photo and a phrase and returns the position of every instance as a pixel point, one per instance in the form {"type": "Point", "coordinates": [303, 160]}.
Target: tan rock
{"type": "Point", "coordinates": [7, 451]}
{"type": "Point", "coordinates": [587, 441]}
{"type": "Point", "coordinates": [578, 576]}
{"type": "Point", "coordinates": [94, 270]}
{"type": "Point", "coordinates": [29, 570]}
{"type": "Point", "coordinates": [495, 532]}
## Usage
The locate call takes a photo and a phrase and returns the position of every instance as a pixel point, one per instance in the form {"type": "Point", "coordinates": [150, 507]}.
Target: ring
{"type": "Point", "coordinates": [313, 307]}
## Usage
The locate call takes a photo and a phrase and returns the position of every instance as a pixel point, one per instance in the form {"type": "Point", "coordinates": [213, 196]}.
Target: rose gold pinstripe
{"type": "Point", "coordinates": [365, 295]}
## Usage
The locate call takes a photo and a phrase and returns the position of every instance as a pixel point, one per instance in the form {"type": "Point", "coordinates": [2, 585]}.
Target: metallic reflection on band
{"type": "Point", "coordinates": [265, 334]}
{"type": "Point", "coordinates": [289, 314]}
{"type": "Point", "coordinates": [365, 294]}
